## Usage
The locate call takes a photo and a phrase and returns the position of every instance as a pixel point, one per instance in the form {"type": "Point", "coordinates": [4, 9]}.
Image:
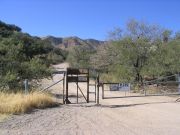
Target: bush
{"type": "Point", "coordinates": [24, 57]}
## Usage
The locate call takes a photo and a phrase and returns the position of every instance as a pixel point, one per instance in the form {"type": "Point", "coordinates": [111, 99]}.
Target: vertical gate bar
{"type": "Point", "coordinates": [98, 89]}
{"type": "Point", "coordinates": [144, 87]}
{"type": "Point", "coordinates": [178, 80]}
{"type": "Point", "coordinates": [95, 89]}
{"type": "Point", "coordinates": [67, 87]}
{"type": "Point", "coordinates": [88, 87]}
{"type": "Point", "coordinates": [77, 88]}
{"type": "Point", "coordinates": [63, 86]}
{"type": "Point", "coordinates": [102, 90]}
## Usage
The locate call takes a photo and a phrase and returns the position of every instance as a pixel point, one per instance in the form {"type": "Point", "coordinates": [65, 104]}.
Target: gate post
{"type": "Point", "coordinates": [95, 88]}
{"type": "Point", "coordinates": [67, 93]}
{"type": "Point", "coordinates": [144, 88]}
{"type": "Point", "coordinates": [88, 87]}
{"type": "Point", "coordinates": [63, 87]}
{"type": "Point", "coordinates": [77, 89]}
{"type": "Point", "coordinates": [102, 90]}
{"type": "Point", "coordinates": [26, 86]}
{"type": "Point", "coordinates": [178, 82]}
{"type": "Point", "coordinates": [98, 90]}
{"type": "Point", "coordinates": [66, 89]}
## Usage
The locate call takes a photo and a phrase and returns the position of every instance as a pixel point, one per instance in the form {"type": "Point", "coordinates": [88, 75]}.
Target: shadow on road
{"type": "Point", "coordinates": [119, 106]}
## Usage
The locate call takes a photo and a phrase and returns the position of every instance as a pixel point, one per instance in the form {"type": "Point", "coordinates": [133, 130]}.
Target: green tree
{"type": "Point", "coordinates": [79, 56]}
{"type": "Point", "coordinates": [24, 57]}
{"type": "Point", "coordinates": [142, 50]}
{"type": "Point", "coordinates": [164, 60]}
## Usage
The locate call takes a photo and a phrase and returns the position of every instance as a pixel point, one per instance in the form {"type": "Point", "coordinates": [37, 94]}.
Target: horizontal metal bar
{"type": "Point", "coordinates": [176, 82]}
{"type": "Point", "coordinates": [110, 83]}
{"type": "Point", "coordinates": [59, 72]}
{"type": "Point", "coordinates": [161, 78]}
{"type": "Point", "coordinates": [142, 95]}
{"type": "Point", "coordinates": [91, 92]}
{"type": "Point", "coordinates": [92, 84]}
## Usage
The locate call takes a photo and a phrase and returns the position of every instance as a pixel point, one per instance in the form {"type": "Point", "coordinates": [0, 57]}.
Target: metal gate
{"type": "Point", "coordinates": [79, 76]}
{"type": "Point", "coordinates": [169, 85]}
{"type": "Point", "coordinates": [76, 77]}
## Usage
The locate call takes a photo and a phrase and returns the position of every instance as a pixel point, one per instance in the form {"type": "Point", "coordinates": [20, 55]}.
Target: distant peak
{"type": "Point", "coordinates": [66, 42]}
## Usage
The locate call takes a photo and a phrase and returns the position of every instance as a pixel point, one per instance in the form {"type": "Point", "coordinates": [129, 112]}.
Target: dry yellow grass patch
{"type": "Point", "coordinates": [15, 103]}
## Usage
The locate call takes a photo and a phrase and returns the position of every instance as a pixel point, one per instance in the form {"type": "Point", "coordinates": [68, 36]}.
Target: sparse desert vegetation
{"type": "Point", "coordinates": [97, 67]}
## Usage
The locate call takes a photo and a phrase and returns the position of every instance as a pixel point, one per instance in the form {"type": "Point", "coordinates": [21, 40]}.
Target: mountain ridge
{"type": "Point", "coordinates": [68, 42]}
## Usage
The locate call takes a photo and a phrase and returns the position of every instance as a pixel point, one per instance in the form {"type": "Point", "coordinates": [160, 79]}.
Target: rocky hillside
{"type": "Point", "coordinates": [65, 43]}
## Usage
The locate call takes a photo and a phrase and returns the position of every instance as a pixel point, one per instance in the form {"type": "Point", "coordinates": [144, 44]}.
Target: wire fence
{"type": "Point", "coordinates": [169, 85]}
{"type": "Point", "coordinates": [163, 86]}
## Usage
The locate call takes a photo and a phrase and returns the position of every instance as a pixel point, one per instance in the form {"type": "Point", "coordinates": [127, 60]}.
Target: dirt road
{"type": "Point", "coordinates": [158, 115]}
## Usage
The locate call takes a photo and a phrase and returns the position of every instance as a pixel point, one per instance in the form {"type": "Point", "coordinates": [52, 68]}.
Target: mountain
{"type": "Point", "coordinates": [68, 42]}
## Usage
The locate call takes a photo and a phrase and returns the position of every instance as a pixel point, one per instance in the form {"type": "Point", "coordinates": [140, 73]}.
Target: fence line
{"type": "Point", "coordinates": [161, 78]}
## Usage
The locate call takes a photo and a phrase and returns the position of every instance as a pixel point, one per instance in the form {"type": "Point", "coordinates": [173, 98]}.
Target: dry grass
{"type": "Point", "coordinates": [16, 103]}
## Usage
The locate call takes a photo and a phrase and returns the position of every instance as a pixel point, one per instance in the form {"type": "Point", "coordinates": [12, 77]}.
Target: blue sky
{"type": "Point", "coordinates": [87, 18]}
